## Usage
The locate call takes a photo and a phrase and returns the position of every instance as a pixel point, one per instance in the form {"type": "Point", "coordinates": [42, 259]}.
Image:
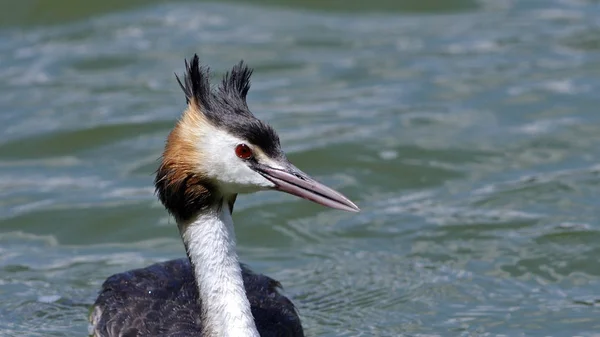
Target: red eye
{"type": "Point", "coordinates": [243, 151]}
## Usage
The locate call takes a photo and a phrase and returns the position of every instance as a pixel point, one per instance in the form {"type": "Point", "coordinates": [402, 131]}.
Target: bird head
{"type": "Point", "coordinates": [218, 149]}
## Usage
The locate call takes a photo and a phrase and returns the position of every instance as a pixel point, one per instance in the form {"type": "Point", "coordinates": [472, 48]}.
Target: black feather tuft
{"type": "Point", "coordinates": [237, 82]}
{"type": "Point", "coordinates": [197, 84]}
{"type": "Point", "coordinates": [226, 107]}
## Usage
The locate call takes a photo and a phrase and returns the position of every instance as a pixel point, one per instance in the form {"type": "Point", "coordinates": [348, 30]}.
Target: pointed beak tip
{"type": "Point", "coordinates": [353, 208]}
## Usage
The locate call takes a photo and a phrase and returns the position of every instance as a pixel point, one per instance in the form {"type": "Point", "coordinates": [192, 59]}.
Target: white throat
{"type": "Point", "coordinates": [210, 241]}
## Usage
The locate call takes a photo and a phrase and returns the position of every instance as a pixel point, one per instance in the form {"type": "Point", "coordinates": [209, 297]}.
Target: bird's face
{"type": "Point", "coordinates": [218, 146]}
{"type": "Point", "coordinates": [230, 161]}
{"type": "Point", "coordinates": [234, 162]}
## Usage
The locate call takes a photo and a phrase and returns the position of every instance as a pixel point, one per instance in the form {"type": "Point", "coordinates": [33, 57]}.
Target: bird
{"type": "Point", "coordinates": [216, 150]}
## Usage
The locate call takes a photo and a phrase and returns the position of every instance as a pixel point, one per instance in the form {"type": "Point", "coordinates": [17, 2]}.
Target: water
{"type": "Point", "coordinates": [467, 131]}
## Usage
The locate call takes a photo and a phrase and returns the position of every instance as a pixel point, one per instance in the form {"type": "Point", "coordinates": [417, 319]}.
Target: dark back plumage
{"type": "Point", "coordinates": [162, 300]}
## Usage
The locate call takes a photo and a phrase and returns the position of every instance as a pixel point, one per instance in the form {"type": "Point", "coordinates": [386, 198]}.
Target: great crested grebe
{"type": "Point", "coordinates": [215, 151]}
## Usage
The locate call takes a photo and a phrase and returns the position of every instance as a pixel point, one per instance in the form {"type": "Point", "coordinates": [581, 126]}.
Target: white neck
{"type": "Point", "coordinates": [210, 241]}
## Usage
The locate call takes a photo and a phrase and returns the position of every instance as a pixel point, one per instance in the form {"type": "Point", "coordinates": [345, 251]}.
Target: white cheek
{"type": "Point", "coordinates": [221, 163]}
{"type": "Point", "coordinates": [237, 177]}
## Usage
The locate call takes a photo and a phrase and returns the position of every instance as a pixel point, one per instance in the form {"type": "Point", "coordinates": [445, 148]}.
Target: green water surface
{"type": "Point", "coordinates": [468, 131]}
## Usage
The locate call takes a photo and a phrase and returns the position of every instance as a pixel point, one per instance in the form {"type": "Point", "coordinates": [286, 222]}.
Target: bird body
{"type": "Point", "coordinates": [217, 150]}
{"type": "Point", "coordinates": [162, 300]}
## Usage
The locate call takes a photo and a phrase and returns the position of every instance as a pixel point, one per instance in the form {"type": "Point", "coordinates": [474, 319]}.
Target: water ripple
{"type": "Point", "coordinates": [466, 131]}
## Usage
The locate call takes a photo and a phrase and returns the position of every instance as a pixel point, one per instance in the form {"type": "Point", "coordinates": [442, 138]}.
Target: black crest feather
{"type": "Point", "coordinates": [197, 84]}
{"type": "Point", "coordinates": [226, 107]}
{"type": "Point", "coordinates": [237, 82]}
